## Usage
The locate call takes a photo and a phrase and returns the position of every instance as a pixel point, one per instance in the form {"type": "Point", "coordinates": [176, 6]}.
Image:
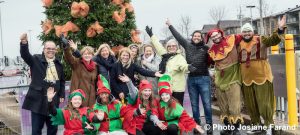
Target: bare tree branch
{"type": "Point", "coordinates": [217, 13]}
{"type": "Point", "coordinates": [186, 24]}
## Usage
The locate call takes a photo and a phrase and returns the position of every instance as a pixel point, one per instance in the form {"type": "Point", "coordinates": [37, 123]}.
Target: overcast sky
{"type": "Point", "coordinates": [20, 16]}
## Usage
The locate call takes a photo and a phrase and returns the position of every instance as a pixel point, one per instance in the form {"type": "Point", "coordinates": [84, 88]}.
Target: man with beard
{"type": "Point", "coordinates": [227, 78]}
{"type": "Point", "coordinates": [256, 72]}
{"type": "Point", "coordinates": [112, 109]}
{"type": "Point", "coordinates": [198, 78]}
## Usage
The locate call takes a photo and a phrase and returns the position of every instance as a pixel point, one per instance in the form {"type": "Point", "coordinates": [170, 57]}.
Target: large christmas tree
{"type": "Point", "coordinates": [90, 22]}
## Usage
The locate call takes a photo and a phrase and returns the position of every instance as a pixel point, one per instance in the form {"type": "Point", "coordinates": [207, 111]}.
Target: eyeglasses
{"type": "Point", "coordinates": [50, 49]}
{"type": "Point", "coordinates": [172, 45]}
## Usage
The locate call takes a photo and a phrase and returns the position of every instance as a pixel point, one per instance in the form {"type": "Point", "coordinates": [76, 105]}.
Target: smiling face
{"type": "Point", "coordinates": [76, 101]}
{"type": "Point", "coordinates": [125, 56]}
{"type": "Point", "coordinates": [197, 38]}
{"type": "Point", "coordinates": [148, 51]}
{"type": "Point", "coordinates": [134, 51]}
{"type": "Point", "coordinates": [247, 35]}
{"type": "Point", "coordinates": [146, 93]}
{"type": "Point", "coordinates": [216, 37]}
{"type": "Point", "coordinates": [87, 56]}
{"type": "Point", "coordinates": [49, 49]}
{"type": "Point", "coordinates": [172, 47]}
{"type": "Point", "coordinates": [104, 97]}
{"type": "Point", "coordinates": [165, 97]}
{"type": "Point", "coordinates": [104, 52]}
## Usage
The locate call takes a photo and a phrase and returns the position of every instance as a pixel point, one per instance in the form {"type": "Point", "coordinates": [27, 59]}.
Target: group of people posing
{"type": "Point", "coordinates": [142, 90]}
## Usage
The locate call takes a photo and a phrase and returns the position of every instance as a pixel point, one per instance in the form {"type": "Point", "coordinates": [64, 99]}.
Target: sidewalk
{"type": "Point", "coordinates": [216, 112]}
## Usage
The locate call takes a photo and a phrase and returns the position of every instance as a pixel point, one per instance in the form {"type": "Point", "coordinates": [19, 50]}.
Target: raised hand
{"type": "Point", "coordinates": [149, 31]}
{"type": "Point", "coordinates": [124, 78]}
{"type": "Point", "coordinates": [282, 22]}
{"type": "Point", "coordinates": [72, 44]}
{"type": "Point", "coordinates": [50, 93]}
{"type": "Point", "coordinates": [23, 38]}
{"type": "Point", "coordinates": [168, 22]}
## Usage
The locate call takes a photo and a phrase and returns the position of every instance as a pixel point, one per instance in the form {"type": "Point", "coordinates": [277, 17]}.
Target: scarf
{"type": "Point", "coordinates": [149, 59]}
{"type": "Point", "coordinates": [164, 60]}
{"type": "Point", "coordinates": [51, 73]}
{"type": "Point", "coordinates": [107, 63]}
{"type": "Point", "coordinates": [89, 66]}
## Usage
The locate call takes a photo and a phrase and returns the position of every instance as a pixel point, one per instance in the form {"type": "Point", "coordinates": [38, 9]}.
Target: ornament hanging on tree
{"type": "Point", "coordinates": [80, 9]}
{"type": "Point", "coordinates": [47, 26]}
{"type": "Point", "coordinates": [94, 29]}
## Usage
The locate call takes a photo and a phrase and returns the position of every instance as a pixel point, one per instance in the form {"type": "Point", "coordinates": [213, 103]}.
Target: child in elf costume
{"type": "Point", "coordinates": [112, 110]}
{"type": "Point", "coordinates": [74, 117]}
{"type": "Point", "coordinates": [173, 119]}
{"type": "Point", "coordinates": [141, 106]}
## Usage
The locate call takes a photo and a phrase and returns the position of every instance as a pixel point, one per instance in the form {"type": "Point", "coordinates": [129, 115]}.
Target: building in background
{"type": "Point", "coordinates": [292, 23]}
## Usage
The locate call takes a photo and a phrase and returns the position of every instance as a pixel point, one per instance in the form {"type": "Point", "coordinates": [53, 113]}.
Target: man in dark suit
{"type": "Point", "coordinates": [46, 71]}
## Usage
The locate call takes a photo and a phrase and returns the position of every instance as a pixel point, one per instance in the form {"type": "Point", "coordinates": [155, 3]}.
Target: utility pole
{"type": "Point", "coordinates": [261, 18]}
{"type": "Point", "coordinates": [250, 6]}
{"type": "Point", "coordinates": [240, 17]}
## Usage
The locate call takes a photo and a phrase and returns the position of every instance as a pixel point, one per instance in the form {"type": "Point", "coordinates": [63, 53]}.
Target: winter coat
{"type": "Point", "coordinates": [104, 64]}
{"type": "Point", "coordinates": [196, 54]}
{"type": "Point", "coordinates": [81, 78]}
{"type": "Point", "coordinates": [176, 67]}
{"type": "Point", "coordinates": [36, 97]}
{"type": "Point", "coordinates": [153, 66]}
{"type": "Point", "coordinates": [117, 86]}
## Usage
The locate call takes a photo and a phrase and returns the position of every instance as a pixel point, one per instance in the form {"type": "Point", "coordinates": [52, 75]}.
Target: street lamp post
{"type": "Point", "coordinates": [251, 6]}
{"type": "Point", "coordinates": [1, 32]}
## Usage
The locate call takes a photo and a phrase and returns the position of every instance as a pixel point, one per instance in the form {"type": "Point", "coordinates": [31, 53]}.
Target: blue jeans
{"type": "Point", "coordinates": [200, 85]}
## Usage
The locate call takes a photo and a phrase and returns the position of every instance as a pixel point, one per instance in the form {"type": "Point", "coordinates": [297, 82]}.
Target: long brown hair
{"type": "Point", "coordinates": [74, 113]}
{"type": "Point", "coordinates": [171, 104]}
{"type": "Point", "coordinates": [150, 101]}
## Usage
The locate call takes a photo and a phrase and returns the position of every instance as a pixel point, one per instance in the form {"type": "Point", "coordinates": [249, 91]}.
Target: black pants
{"type": "Point", "coordinates": [179, 96]}
{"type": "Point", "coordinates": [37, 123]}
{"type": "Point", "coordinates": [148, 129]}
{"type": "Point", "coordinates": [172, 129]}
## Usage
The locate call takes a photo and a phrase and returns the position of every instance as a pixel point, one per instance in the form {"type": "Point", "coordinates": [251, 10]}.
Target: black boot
{"type": "Point", "coordinates": [236, 130]}
{"type": "Point", "coordinates": [226, 132]}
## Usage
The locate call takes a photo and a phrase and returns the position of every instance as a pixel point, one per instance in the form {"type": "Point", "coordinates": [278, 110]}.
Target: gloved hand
{"type": "Point", "coordinates": [191, 68]}
{"type": "Point", "coordinates": [64, 41]}
{"type": "Point", "coordinates": [149, 31]}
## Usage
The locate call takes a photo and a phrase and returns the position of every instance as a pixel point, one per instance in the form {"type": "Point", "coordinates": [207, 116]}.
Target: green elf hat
{"type": "Point", "coordinates": [164, 84]}
{"type": "Point", "coordinates": [78, 92]}
{"type": "Point", "coordinates": [103, 85]}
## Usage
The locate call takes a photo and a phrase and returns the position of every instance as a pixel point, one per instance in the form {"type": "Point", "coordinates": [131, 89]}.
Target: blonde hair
{"type": "Point", "coordinates": [98, 52]}
{"type": "Point", "coordinates": [125, 50]}
{"type": "Point", "coordinates": [87, 48]}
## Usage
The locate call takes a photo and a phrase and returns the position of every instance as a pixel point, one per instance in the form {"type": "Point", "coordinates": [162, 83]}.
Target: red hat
{"type": "Point", "coordinates": [208, 35]}
{"type": "Point", "coordinates": [164, 84]}
{"type": "Point", "coordinates": [144, 84]}
{"type": "Point", "coordinates": [78, 92]}
{"type": "Point", "coordinates": [103, 85]}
